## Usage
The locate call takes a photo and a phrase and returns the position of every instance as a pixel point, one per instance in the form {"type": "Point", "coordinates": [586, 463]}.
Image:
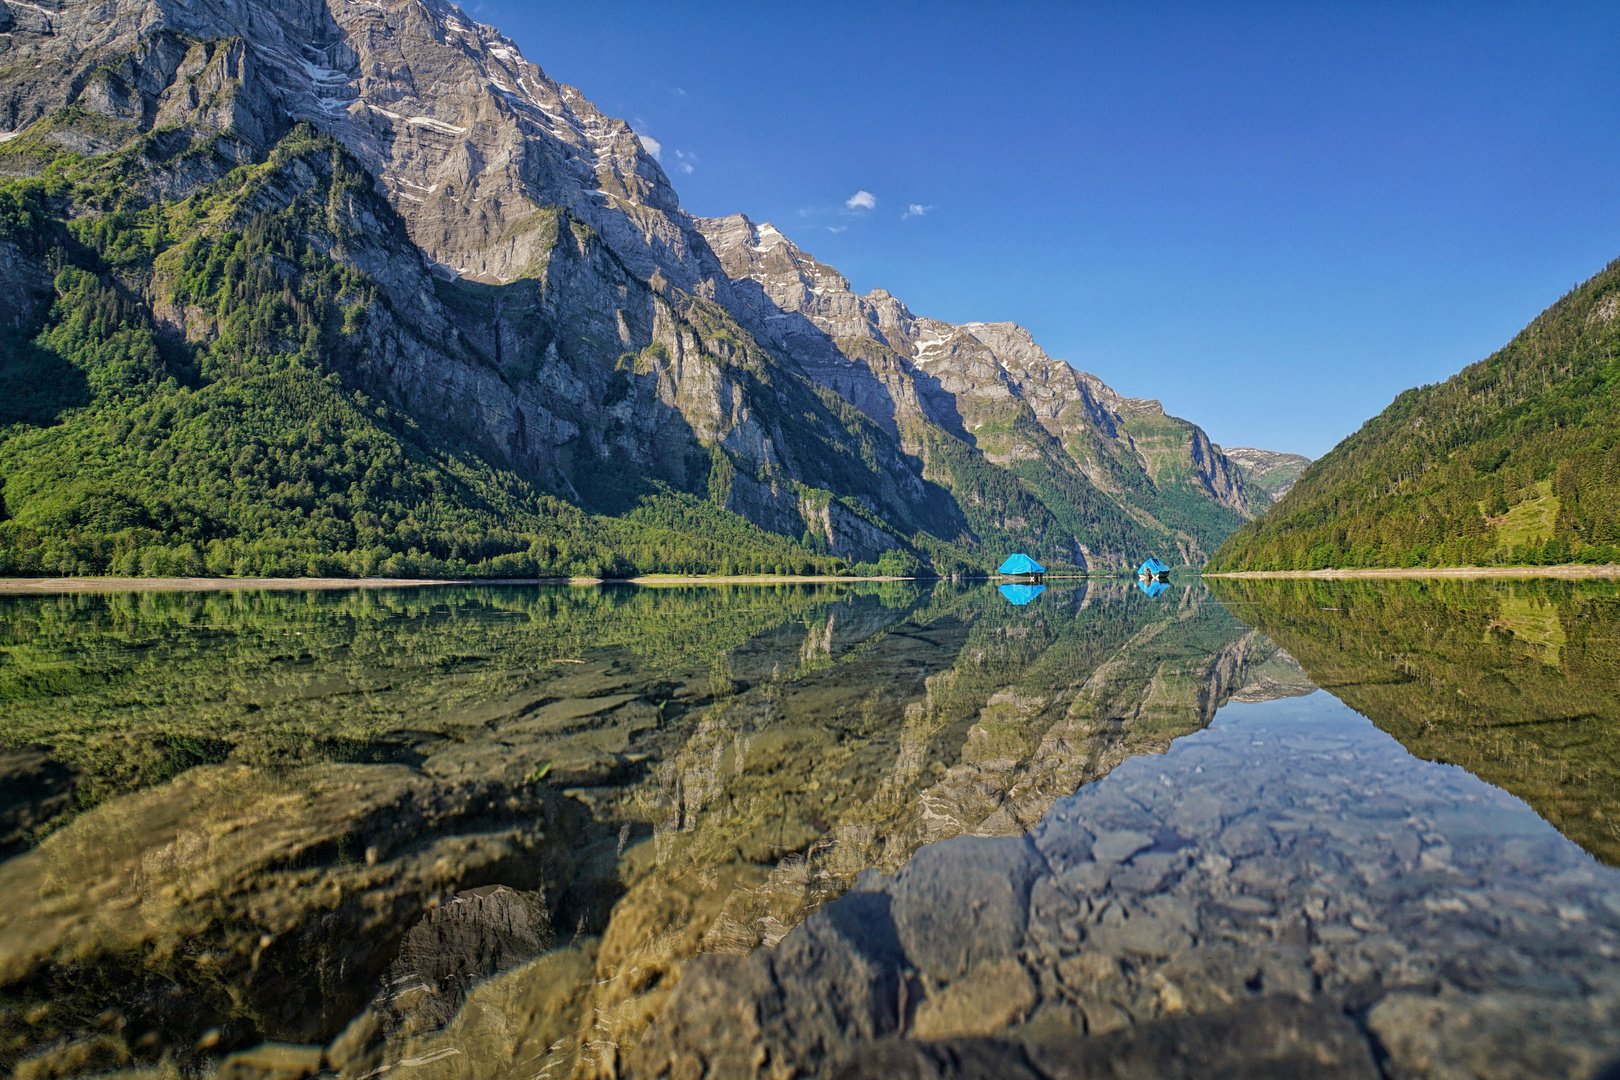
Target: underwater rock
{"type": "Point", "coordinates": [1354, 880]}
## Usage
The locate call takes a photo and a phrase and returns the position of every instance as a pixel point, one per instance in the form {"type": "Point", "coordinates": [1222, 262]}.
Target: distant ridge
{"type": "Point", "coordinates": [1269, 472]}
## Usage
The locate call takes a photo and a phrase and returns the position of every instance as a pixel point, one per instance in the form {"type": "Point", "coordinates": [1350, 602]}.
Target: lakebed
{"type": "Point", "coordinates": [479, 829]}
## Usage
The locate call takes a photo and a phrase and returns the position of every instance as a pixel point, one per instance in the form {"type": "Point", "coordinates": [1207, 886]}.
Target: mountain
{"type": "Point", "coordinates": [355, 288]}
{"type": "Point", "coordinates": [1514, 460]}
{"type": "Point", "coordinates": [1268, 472]}
{"type": "Point", "coordinates": [937, 387]}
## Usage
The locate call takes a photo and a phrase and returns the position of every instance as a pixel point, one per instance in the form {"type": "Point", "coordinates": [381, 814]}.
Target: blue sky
{"type": "Point", "coordinates": [1273, 218]}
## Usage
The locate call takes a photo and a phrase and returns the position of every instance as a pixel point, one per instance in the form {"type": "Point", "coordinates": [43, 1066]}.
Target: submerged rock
{"type": "Point", "coordinates": [452, 947]}
{"type": "Point", "coordinates": [1274, 1037]}
{"type": "Point", "coordinates": [250, 902]}
{"type": "Point", "coordinates": [34, 788]}
{"type": "Point", "coordinates": [1276, 893]}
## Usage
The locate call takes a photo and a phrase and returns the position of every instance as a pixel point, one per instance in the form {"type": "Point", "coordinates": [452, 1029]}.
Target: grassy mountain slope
{"type": "Point", "coordinates": [1513, 461]}
{"type": "Point", "coordinates": [1020, 490]}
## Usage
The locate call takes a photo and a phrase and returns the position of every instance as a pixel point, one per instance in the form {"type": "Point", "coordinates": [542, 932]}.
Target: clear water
{"type": "Point", "coordinates": [542, 831]}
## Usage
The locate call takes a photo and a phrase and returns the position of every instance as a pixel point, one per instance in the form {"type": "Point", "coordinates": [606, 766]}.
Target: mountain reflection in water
{"type": "Point", "coordinates": [485, 831]}
{"type": "Point", "coordinates": [1516, 681]}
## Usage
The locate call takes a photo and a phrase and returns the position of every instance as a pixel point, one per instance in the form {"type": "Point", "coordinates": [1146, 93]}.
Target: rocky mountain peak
{"type": "Point", "coordinates": [897, 367]}
{"type": "Point", "coordinates": [1270, 472]}
{"type": "Point", "coordinates": [467, 137]}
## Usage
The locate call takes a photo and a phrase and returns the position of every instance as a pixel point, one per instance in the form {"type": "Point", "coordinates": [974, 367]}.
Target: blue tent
{"type": "Point", "coordinates": [1152, 586]}
{"type": "Point", "coordinates": [1152, 568]}
{"type": "Point", "coordinates": [1021, 594]}
{"type": "Point", "coordinates": [1021, 564]}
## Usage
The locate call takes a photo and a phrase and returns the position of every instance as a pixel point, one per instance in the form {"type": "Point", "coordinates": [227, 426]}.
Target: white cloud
{"type": "Point", "coordinates": [861, 200]}
{"type": "Point", "coordinates": [916, 209]}
{"type": "Point", "coordinates": [652, 145]}
{"type": "Point", "coordinates": [836, 228]}
{"type": "Point", "coordinates": [685, 161]}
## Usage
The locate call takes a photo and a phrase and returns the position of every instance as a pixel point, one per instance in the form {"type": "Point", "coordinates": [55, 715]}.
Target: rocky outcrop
{"type": "Point", "coordinates": [25, 289]}
{"type": "Point", "coordinates": [464, 941]}
{"type": "Point", "coordinates": [468, 139]}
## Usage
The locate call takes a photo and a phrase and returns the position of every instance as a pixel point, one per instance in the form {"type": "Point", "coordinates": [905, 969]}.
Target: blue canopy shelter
{"type": "Point", "coordinates": [1021, 594]}
{"type": "Point", "coordinates": [1020, 564]}
{"type": "Point", "coordinates": [1152, 568]}
{"type": "Point", "coordinates": [1152, 586]}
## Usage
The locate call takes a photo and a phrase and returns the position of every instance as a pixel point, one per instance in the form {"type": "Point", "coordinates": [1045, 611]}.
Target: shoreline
{"type": "Point", "coordinates": [64, 585]}
{"type": "Point", "coordinates": [35, 586]}
{"type": "Point", "coordinates": [1570, 570]}
{"type": "Point", "coordinates": [70, 585]}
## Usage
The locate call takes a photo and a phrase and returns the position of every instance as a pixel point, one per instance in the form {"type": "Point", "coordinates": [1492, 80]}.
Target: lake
{"type": "Point", "coordinates": [891, 829]}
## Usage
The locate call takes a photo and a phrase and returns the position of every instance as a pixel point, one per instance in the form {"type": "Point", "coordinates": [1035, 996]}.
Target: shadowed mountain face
{"type": "Point", "coordinates": [455, 235]}
{"type": "Point", "coordinates": [503, 820]}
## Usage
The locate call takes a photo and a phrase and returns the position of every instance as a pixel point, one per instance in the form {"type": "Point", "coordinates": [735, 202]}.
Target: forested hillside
{"type": "Point", "coordinates": [126, 451]}
{"type": "Point", "coordinates": [1513, 461]}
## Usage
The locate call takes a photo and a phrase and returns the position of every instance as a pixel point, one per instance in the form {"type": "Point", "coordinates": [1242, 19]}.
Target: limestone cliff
{"type": "Point", "coordinates": [541, 296]}
{"type": "Point", "coordinates": [898, 367]}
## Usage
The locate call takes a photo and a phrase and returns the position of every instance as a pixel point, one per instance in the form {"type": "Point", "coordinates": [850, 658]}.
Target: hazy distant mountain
{"type": "Point", "coordinates": [1269, 472]}
{"type": "Point", "coordinates": [341, 287]}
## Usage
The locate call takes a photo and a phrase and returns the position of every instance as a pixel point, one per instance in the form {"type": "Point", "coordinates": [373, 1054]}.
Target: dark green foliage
{"type": "Point", "coordinates": [1182, 506]}
{"type": "Point", "coordinates": [102, 332]}
{"type": "Point", "coordinates": [1414, 485]}
{"type": "Point", "coordinates": [1036, 505]}
{"type": "Point", "coordinates": [24, 219]}
{"type": "Point", "coordinates": [129, 453]}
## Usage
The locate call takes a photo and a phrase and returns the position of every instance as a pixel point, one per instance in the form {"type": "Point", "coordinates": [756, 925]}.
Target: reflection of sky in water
{"type": "Point", "coordinates": [1021, 594]}
{"type": "Point", "coordinates": [1291, 850]}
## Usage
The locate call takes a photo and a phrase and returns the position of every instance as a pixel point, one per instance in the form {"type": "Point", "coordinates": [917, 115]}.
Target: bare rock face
{"type": "Point", "coordinates": [468, 139]}
{"type": "Point", "coordinates": [462, 942]}
{"type": "Point", "coordinates": [316, 870]}
{"type": "Point", "coordinates": [898, 367]}
{"type": "Point", "coordinates": [25, 288]}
